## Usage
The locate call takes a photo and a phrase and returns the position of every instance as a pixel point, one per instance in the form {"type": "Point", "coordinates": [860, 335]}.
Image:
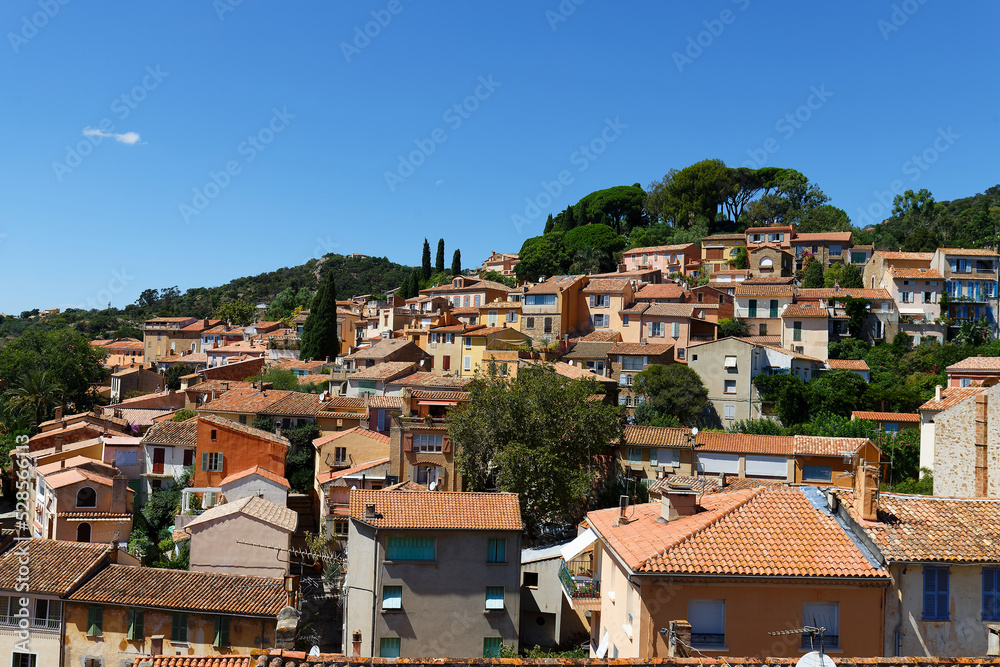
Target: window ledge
{"type": "Point", "coordinates": [825, 650]}
{"type": "Point", "coordinates": [393, 611]}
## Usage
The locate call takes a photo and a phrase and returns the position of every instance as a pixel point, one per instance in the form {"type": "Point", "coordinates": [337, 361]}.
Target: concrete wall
{"type": "Point", "coordinates": [255, 485]}
{"type": "Point", "coordinates": [815, 336]}
{"type": "Point", "coordinates": [43, 642]}
{"type": "Point", "coordinates": [560, 622]}
{"type": "Point", "coordinates": [214, 547]}
{"type": "Point", "coordinates": [709, 362]}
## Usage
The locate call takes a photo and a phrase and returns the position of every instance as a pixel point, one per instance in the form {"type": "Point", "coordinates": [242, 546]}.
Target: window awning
{"type": "Point", "coordinates": [437, 402]}
{"type": "Point", "coordinates": [602, 649]}
{"type": "Point", "coordinates": [579, 543]}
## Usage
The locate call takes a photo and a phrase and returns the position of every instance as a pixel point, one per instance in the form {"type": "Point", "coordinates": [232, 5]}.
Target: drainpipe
{"type": "Point", "coordinates": [374, 589]}
{"type": "Point", "coordinates": [898, 632]}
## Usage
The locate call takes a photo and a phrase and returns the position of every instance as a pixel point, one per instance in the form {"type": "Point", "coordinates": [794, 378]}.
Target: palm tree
{"type": "Point", "coordinates": [973, 332]}
{"type": "Point", "coordinates": [588, 261]}
{"type": "Point", "coordinates": [34, 395]}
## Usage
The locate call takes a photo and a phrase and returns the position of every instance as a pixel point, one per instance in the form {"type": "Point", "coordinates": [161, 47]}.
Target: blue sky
{"type": "Point", "coordinates": [160, 144]}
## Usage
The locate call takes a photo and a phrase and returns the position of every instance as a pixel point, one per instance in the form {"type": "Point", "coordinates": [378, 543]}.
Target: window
{"type": "Point", "coordinates": [392, 597]}
{"type": "Point", "coordinates": [47, 614]}
{"type": "Point", "coordinates": [625, 320]}
{"type": "Point", "coordinates": [634, 456]}
{"type": "Point", "coordinates": [449, 339]}
{"type": "Point", "coordinates": [762, 329]}
{"type": "Point", "coordinates": [531, 579]}
{"type": "Point", "coordinates": [340, 527]}
{"type": "Point", "coordinates": [432, 338]}
{"type": "Point", "coordinates": [95, 621]}
{"type": "Point", "coordinates": [211, 461]}
{"type": "Point", "coordinates": [126, 457]}
{"type": "Point", "coordinates": [817, 474]}
{"type": "Point", "coordinates": [427, 442]}
{"type": "Point", "coordinates": [83, 532]}
{"type": "Point", "coordinates": [730, 411]}
{"type": "Point", "coordinates": [966, 382]}
{"type": "Point", "coordinates": [512, 316]}
{"type": "Point", "coordinates": [494, 598]}
{"type": "Point", "coordinates": [822, 615]}
{"type": "Point", "coordinates": [708, 623]}
{"type": "Point", "coordinates": [547, 325]}
{"type": "Point", "coordinates": [935, 593]}
{"type": "Point", "coordinates": [601, 321]}
{"type": "Point", "coordinates": [540, 299]}
{"type": "Point", "coordinates": [600, 300]}
{"type": "Point", "coordinates": [467, 341]}
{"type": "Point", "coordinates": [664, 457]}
{"type": "Point", "coordinates": [496, 551]}
{"type": "Point", "coordinates": [656, 329]}
{"type": "Point", "coordinates": [730, 387]}
{"type": "Point", "coordinates": [467, 363]}
{"type": "Point", "coordinates": [465, 302]}
{"type": "Point", "coordinates": [991, 594]}
{"type": "Point", "coordinates": [24, 660]}
{"type": "Point", "coordinates": [774, 308]}
{"type": "Point", "coordinates": [179, 628]}
{"type": "Point", "coordinates": [626, 381]}
{"type": "Point", "coordinates": [752, 308]}
{"type": "Point", "coordinates": [388, 647]}
{"type": "Point", "coordinates": [221, 631]}
{"type": "Point", "coordinates": [633, 363]}
{"type": "Point", "coordinates": [476, 300]}
{"type": "Point", "coordinates": [730, 361]}
{"type": "Point", "coordinates": [86, 497]}
{"type": "Point", "coordinates": [797, 331]}
{"type": "Point", "coordinates": [340, 455]}
{"type": "Point", "coordinates": [410, 548]}
{"type": "Point", "coordinates": [491, 647]}
{"type": "Point", "coordinates": [529, 322]}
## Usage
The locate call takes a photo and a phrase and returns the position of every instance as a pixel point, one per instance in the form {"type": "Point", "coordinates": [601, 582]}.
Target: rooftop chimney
{"type": "Point", "coordinates": [937, 393]}
{"type": "Point", "coordinates": [59, 443]}
{"type": "Point", "coordinates": [369, 510]}
{"type": "Point", "coordinates": [678, 500]}
{"type": "Point", "coordinates": [59, 412]}
{"type": "Point", "coordinates": [866, 491]}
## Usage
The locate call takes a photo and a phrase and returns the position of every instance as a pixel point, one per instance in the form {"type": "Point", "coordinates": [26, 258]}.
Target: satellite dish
{"type": "Point", "coordinates": [815, 659]}
{"type": "Point", "coordinates": [314, 650]}
{"type": "Point", "coordinates": [694, 431]}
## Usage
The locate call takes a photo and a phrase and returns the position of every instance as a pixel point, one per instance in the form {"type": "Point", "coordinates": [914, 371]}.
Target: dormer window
{"type": "Point", "coordinates": [459, 283]}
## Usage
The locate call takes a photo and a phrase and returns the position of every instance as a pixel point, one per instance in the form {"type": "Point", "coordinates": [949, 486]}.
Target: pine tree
{"type": "Point", "coordinates": [439, 259]}
{"type": "Point", "coordinates": [414, 284]}
{"type": "Point", "coordinates": [568, 221]}
{"type": "Point", "coordinates": [814, 275]}
{"type": "Point", "coordinates": [549, 224]}
{"type": "Point", "coordinates": [426, 260]}
{"type": "Point", "coordinates": [456, 263]}
{"type": "Point", "coordinates": [851, 277]}
{"type": "Point", "coordinates": [319, 333]}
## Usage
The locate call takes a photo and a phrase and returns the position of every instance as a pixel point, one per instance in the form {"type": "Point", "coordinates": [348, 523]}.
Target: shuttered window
{"type": "Point", "coordinates": [179, 628]}
{"type": "Point", "coordinates": [95, 621]}
{"type": "Point", "coordinates": [991, 594]}
{"type": "Point", "coordinates": [136, 624]}
{"type": "Point", "coordinates": [410, 548]}
{"type": "Point", "coordinates": [221, 631]}
{"type": "Point", "coordinates": [936, 593]}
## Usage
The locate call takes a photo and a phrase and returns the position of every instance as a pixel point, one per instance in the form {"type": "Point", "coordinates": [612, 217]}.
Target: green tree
{"type": "Point", "coordinates": [733, 327]}
{"type": "Point", "coordinates": [319, 333]}
{"type": "Point", "coordinates": [757, 427]}
{"type": "Point", "coordinates": [851, 277]}
{"type": "Point", "coordinates": [414, 284]}
{"type": "Point", "coordinates": [823, 218]}
{"type": "Point", "coordinates": [538, 435]}
{"type": "Point", "coordinates": [813, 277]}
{"type": "Point", "coordinates": [238, 312]}
{"type": "Point", "coordinates": [621, 207]}
{"type": "Point", "coordinates": [172, 378]}
{"type": "Point", "coordinates": [857, 314]}
{"type": "Point", "coordinates": [282, 379]}
{"type": "Point", "coordinates": [497, 277]}
{"type": "Point", "coordinates": [425, 261]}
{"type": "Point", "coordinates": [35, 395]}
{"type": "Point", "coordinates": [673, 390]}
{"type": "Point", "coordinates": [836, 392]}
{"type": "Point", "coordinates": [741, 260]}
{"type": "Point", "coordinates": [263, 423]}
{"type": "Point", "coordinates": [439, 258]}
{"type": "Point", "coordinates": [542, 256]}
{"type": "Point", "coordinates": [787, 394]}
{"type": "Point", "coordinates": [456, 262]}
{"type": "Point", "coordinates": [848, 348]}
{"type": "Point", "coordinates": [600, 238]}
{"type": "Point", "coordinates": [973, 333]}
{"type": "Point", "coordinates": [682, 196]}
{"type": "Point", "coordinates": [183, 415]}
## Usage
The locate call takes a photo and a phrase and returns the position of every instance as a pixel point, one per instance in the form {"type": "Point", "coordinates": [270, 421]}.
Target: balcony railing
{"type": "Point", "coordinates": [578, 580]}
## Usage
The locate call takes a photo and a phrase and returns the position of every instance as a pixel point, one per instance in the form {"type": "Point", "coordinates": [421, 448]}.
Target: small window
{"type": "Point", "coordinates": [935, 594]}
{"type": "Point", "coordinates": [730, 387]}
{"type": "Point", "coordinates": [392, 597]}
{"type": "Point", "coordinates": [24, 660]}
{"type": "Point", "coordinates": [491, 647]}
{"type": "Point", "coordinates": [388, 647]}
{"type": "Point", "coordinates": [730, 411]}
{"type": "Point", "coordinates": [214, 434]}
{"type": "Point", "coordinates": [179, 628]}
{"type": "Point", "coordinates": [221, 631]}
{"type": "Point", "coordinates": [95, 621]}
{"type": "Point", "coordinates": [86, 497]}
{"type": "Point", "coordinates": [497, 550]}
{"type": "Point", "coordinates": [136, 625]}
{"type": "Point", "coordinates": [494, 598]}
{"type": "Point", "coordinates": [634, 456]}
{"type": "Point", "coordinates": [211, 461]}
{"type": "Point", "coordinates": [730, 361]}
{"type": "Point", "coordinates": [708, 623]}
{"type": "Point", "coordinates": [817, 474]}
{"type": "Point", "coordinates": [531, 579]}
{"type": "Point", "coordinates": [822, 615]}
{"type": "Point", "coordinates": [991, 594]}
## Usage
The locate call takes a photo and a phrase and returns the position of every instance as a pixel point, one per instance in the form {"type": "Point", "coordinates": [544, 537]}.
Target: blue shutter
{"type": "Point", "coordinates": [991, 608]}
{"type": "Point", "coordinates": [936, 593]}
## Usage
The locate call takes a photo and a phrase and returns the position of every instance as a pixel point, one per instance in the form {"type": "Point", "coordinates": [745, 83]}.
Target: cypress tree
{"type": "Point", "coordinates": [404, 289]}
{"type": "Point", "coordinates": [456, 263]}
{"type": "Point", "coordinates": [549, 224]}
{"type": "Point", "coordinates": [814, 275]}
{"type": "Point", "coordinates": [426, 260]}
{"type": "Point", "coordinates": [319, 333]}
{"type": "Point", "coordinates": [439, 259]}
{"type": "Point", "coordinates": [414, 284]}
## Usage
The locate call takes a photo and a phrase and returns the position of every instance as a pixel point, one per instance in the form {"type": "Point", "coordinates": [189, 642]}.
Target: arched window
{"type": "Point", "coordinates": [766, 263]}
{"type": "Point", "coordinates": [83, 532]}
{"type": "Point", "coordinates": [86, 497]}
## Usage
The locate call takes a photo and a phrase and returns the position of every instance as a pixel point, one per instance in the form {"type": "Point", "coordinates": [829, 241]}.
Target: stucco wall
{"type": "Point", "coordinates": [42, 642]}
{"type": "Point", "coordinates": [214, 547]}
{"type": "Point", "coordinates": [255, 485]}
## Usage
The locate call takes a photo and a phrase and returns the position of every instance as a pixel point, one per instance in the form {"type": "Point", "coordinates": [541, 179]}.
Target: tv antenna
{"type": "Point", "coordinates": [814, 658]}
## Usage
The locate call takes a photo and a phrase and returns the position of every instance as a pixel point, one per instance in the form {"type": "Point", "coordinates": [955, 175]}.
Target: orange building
{"type": "Point", "coordinates": [225, 447]}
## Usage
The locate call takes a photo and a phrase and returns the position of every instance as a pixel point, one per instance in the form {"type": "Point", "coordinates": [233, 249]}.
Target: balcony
{"type": "Point", "coordinates": [577, 577]}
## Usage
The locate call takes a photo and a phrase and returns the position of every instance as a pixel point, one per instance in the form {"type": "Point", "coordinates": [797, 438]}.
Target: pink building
{"type": "Point", "coordinates": [974, 372]}
{"type": "Point", "coordinates": [684, 258]}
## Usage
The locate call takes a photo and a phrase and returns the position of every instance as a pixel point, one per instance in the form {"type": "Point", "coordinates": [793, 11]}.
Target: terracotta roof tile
{"type": "Point", "coordinates": [914, 256]}
{"type": "Point", "coordinates": [427, 379]}
{"type": "Point", "coordinates": [198, 661]}
{"type": "Point", "coordinates": [222, 422]}
{"type": "Point", "coordinates": [951, 396]}
{"type": "Point", "coordinates": [811, 445]}
{"type": "Point", "coordinates": [245, 400]}
{"type": "Point", "coordinates": [973, 252]}
{"type": "Point", "coordinates": [423, 395]}
{"type": "Point", "coordinates": [919, 274]}
{"type": "Point", "coordinates": [660, 248]}
{"type": "Point", "coordinates": [744, 443]}
{"type": "Point", "coordinates": [976, 364]}
{"type": "Point", "coordinates": [606, 285]}
{"type": "Point", "coordinates": [770, 280]}
{"type": "Point", "coordinates": [374, 435]}
{"type": "Point", "coordinates": [56, 566]}
{"type": "Point", "coordinates": [203, 592]}
{"type": "Point", "coordinates": [709, 484]}
{"type": "Point", "coordinates": [219, 386]}
{"type": "Point", "coordinates": [381, 349]}
{"type": "Point", "coordinates": [887, 416]}
{"type": "Point", "coordinates": [252, 506]}
{"type": "Point", "coordinates": [381, 402]}
{"type": "Point", "coordinates": [256, 470]}
{"type": "Point", "coordinates": [660, 291]}
{"type": "Point", "coordinates": [671, 310]}
{"type": "Point", "coordinates": [600, 336]}
{"type": "Point", "coordinates": [438, 509]}
{"type": "Point", "coordinates": [744, 289]}
{"type": "Point", "coordinates": [833, 237]}
{"type": "Point", "coordinates": [387, 370]}
{"type": "Point", "coordinates": [589, 350]}
{"type": "Point", "coordinates": [848, 364]}
{"type": "Point", "coordinates": [178, 434]}
{"type": "Point", "coordinates": [331, 475]}
{"type": "Point", "coordinates": [649, 350]}
{"type": "Point", "coordinates": [637, 308]}
{"type": "Point", "coordinates": [350, 402]}
{"type": "Point", "coordinates": [657, 436]}
{"type": "Point", "coordinates": [294, 403]}
{"type": "Point", "coordinates": [843, 292]}
{"type": "Point", "coordinates": [768, 341]}
{"type": "Point", "coordinates": [804, 310]}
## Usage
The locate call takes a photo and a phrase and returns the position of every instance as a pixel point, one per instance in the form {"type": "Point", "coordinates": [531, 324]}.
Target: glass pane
{"type": "Point", "coordinates": [389, 647]}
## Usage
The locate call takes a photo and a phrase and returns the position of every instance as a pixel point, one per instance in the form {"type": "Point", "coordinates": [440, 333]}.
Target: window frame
{"type": "Point", "coordinates": [496, 550]}
{"type": "Point", "coordinates": [941, 594]}
{"type": "Point", "coordinates": [808, 477]}
{"type": "Point", "coordinates": [701, 644]}
{"type": "Point", "coordinates": [991, 612]}
{"type": "Point", "coordinates": [392, 598]}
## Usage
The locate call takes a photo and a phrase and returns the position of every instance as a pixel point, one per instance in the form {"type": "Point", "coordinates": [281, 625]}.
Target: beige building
{"type": "Point", "coordinates": [965, 442]}
{"type": "Point", "coordinates": [603, 299]}
{"type": "Point", "coordinates": [718, 250]}
{"type": "Point", "coordinates": [970, 281]}
{"type": "Point", "coordinates": [760, 306]}
{"type": "Point", "coordinates": [629, 359]}
{"type": "Point", "coordinates": [806, 329]}
{"type": "Point", "coordinates": [551, 309]}
{"type": "Point", "coordinates": [432, 574]}
{"type": "Point", "coordinates": [827, 247]}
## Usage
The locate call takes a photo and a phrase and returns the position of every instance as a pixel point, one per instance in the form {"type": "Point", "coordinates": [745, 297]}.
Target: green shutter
{"type": "Point", "coordinates": [491, 647]}
{"type": "Point", "coordinates": [136, 623]}
{"type": "Point", "coordinates": [179, 630]}
{"type": "Point", "coordinates": [95, 621]}
{"type": "Point", "coordinates": [204, 461]}
{"type": "Point", "coordinates": [221, 631]}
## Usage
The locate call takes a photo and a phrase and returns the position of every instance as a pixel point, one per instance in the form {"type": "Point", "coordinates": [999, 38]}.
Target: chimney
{"type": "Point", "coordinates": [866, 491]}
{"type": "Point", "coordinates": [59, 412]}
{"type": "Point", "coordinates": [59, 443]}
{"type": "Point", "coordinates": [113, 554]}
{"type": "Point", "coordinates": [369, 510]}
{"type": "Point", "coordinates": [937, 393]}
{"type": "Point", "coordinates": [62, 464]}
{"type": "Point", "coordinates": [118, 493]}
{"type": "Point", "coordinates": [679, 639]}
{"type": "Point", "coordinates": [678, 500]}
{"type": "Point", "coordinates": [981, 421]}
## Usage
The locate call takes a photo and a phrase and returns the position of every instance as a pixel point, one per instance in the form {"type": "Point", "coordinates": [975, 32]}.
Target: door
{"type": "Point", "coordinates": [158, 454]}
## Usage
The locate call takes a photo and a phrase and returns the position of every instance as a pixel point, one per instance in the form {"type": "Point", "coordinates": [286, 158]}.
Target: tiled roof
{"type": "Point", "coordinates": [387, 370]}
{"type": "Point", "coordinates": [671, 310]}
{"type": "Point", "coordinates": [589, 350]}
{"type": "Point", "coordinates": [348, 402]}
{"type": "Point", "coordinates": [951, 396]}
{"type": "Point", "coordinates": [637, 308]}
{"type": "Point", "coordinates": [194, 358]}
{"type": "Point", "coordinates": [769, 280]}
{"type": "Point", "coordinates": [570, 371]}
{"type": "Point", "coordinates": [423, 395]}
{"type": "Point", "coordinates": [198, 661]}
{"type": "Point", "coordinates": [724, 237]}
{"type": "Point", "coordinates": [657, 436]}
{"type": "Point", "coordinates": [601, 336]}
{"type": "Point", "coordinates": [380, 350]}
{"type": "Point", "coordinates": [925, 274]}
{"type": "Point", "coordinates": [744, 443]}
{"type": "Point", "coordinates": [374, 435]}
{"type": "Point", "coordinates": [660, 291]}
{"type": "Point", "coordinates": [252, 506]}
{"type": "Point", "coordinates": [768, 341]}
{"type": "Point", "coordinates": [886, 416]}
{"type": "Point", "coordinates": [973, 252]}
{"type": "Point", "coordinates": [835, 237]}
{"type": "Point", "coordinates": [246, 400]}
{"type": "Point", "coordinates": [649, 350]}
{"type": "Point", "coordinates": [295, 403]}
{"type": "Point", "coordinates": [427, 379]}
{"type": "Point", "coordinates": [933, 529]}
{"type": "Point", "coordinates": [743, 289]}
{"type": "Point", "coordinates": [848, 364]}
{"type": "Point", "coordinates": [219, 386]}
{"type": "Point", "coordinates": [344, 415]}
{"type": "Point", "coordinates": [811, 445]}
{"type": "Point", "coordinates": [138, 416]}
{"type": "Point", "coordinates": [770, 532]}
{"type": "Point", "coordinates": [914, 256]}
{"type": "Point", "coordinates": [606, 285]}
{"type": "Point", "coordinates": [331, 475]}
{"type": "Point", "coordinates": [181, 434]}
{"type": "Point", "coordinates": [56, 566]}
{"type": "Point", "coordinates": [256, 470]}
{"type": "Point", "coordinates": [314, 378]}
{"type": "Point", "coordinates": [202, 592]}
{"type": "Point", "coordinates": [438, 509]}
{"type": "Point", "coordinates": [843, 292]}
{"type": "Point", "coordinates": [709, 484]}
{"type": "Point", "coordinates": [61, 478]}
{"type": "Point", "coordinates": [804, 310]}
{"type": "Point", "coordinates": [554, 285]}
{"type": "Point", "coordinates": [976, 364]}
{"type": "Point", "coordinates": [659, 248]}
{"type": "Point", "coordinates": [381, 402]}
{"type": "Point", "coordinates": [243, 428]}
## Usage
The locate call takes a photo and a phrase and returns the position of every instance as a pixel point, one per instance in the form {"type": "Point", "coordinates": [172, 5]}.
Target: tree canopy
{"type": "Point", "coordinates": [319, 333]}
{"type": "Point", "coordinates": [672, 391]}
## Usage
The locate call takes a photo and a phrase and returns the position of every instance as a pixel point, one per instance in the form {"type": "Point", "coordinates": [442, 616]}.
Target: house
{"type": "Point", "coordinates": [441, 571]}
{"type": "Point", "coordinates": [970, 281]}
{"type": "Point", "coordinates": [551, 309]}
{"type": "Point", "coordinates": [661, 293]}
{"type": "Point", "coordinates": [777, 236]}
{"type": "Point", "coordinates": [917, 293]}
{"type": "Point", "coordinates": [344, 449]}
{"type": "Point", "coordinates": [805, 329]}
{"type": "Point", "coordinates": [861, 254]}
{"type": "Point", "coordinates": [718, 250]}
{"type": "Point", "coordinates": [676, 324]}
{"type": "Point", "coordinates": [234, 352]}
{"type": "Point", "coordinates": [768, 259]}
{"type": "Point", "coordinates": [979, 370]}
{"type": "Point", "coordinates": [649, 452]}
{"type": "Point", "coordinates": [684, 258]}
{"type": "Point", "coordinates": [547, 618]}
{"type": "Point", "coordinates": [158, 334]}
{"type": "Point", "coordinates": [501, 262]}
{"type": "Point", "coordinates": [933, 433]}
{"type": "Point", "coordinates": [857, 366]}
{"type": "Point", "coordinates": [139, 611]}
{"type": "Point", "coordinates": [629, 359]}
{"type": "Point", "coordinates": [195, 360]}
{"type": "Point", "coordinates": [245, 404]}
{"type": "Point", "coordinates": [716, 303]}
{"type": "Point", "coordinates": [591, 355]}
{"type": "Point", "coordinates": [341, 413]}
{"type": "Point", "coordinates": [396, 350]}
{"type": "Point", "coordinates": [500, 313]}
{"type": "Point", "coordinates": [890, 422]}
{"type": "Point", "coordinates": [256, 482]}
{"type": "Point", "coordinates": [603, 299]}
{"type": "Point", "coordinates": [881, 323]}
{"type": "Point", "coordinates": [134, 379]}
{"type": "Point", "coordinates": [760, 306]}
{"type": "Point", "coordinates": [420, 451]}
{"type": "Point", "coordinates": [468, 291]}
{"type": "Point", "coordinates": [459, 349]}
{"type": "Point", "coordinates": [216, 535]}
{"type": "Point", "coordinates": [57, 569]}
{"type": "Point", "coordinates": [167, 449]}
{"type": "Point", "coordinates": [376, 379]}
{"type": "Point", "coordinates": [942, 556]}
{"type": "Point", "coordinates": [82, 500]}
{"type": "Point", "coordinates": [826, 247]}
{"type": "Point", "coordinates": [334, 488]}
{"type": "Point", "coordinates": [965, 441]}
{"type": "Point", "coordinates": [734, 566]}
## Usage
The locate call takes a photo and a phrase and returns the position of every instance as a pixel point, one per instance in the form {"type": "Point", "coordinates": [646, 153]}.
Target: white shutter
{"type": "Point", "coordinates": [713, 462]}
{"type": "Point", "coordinates": [766, 466]}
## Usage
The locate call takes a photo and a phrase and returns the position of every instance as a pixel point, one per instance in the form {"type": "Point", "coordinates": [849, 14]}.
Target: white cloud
{"type": "Point", "coordinates": [439, 183]}
{"type": "Point", "coordinates": [130, 138]}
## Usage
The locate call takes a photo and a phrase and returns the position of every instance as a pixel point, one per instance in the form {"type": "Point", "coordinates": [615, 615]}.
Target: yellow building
{"type": "Point", "coordinates": [498, 313]}
{"type": "Point", "coordinates": [719, 249]}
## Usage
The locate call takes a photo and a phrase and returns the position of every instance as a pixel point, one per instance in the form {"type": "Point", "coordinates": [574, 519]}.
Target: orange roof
{"type": "Point", "coordinates": [927, 274]}
{"type": "Point", "coordinates": [199, 660]}
{"type": "Point", "coordinates": [295, 403]}
{"type": "Point", "coordinates": [355, 402]}
{"type": "Point", "coordinates": [331, 475]}
{"type": "Point", "coordinates": [428, 379]}
{"type": "Point", "coordinates": [256, 470]}
{"type": "Point", "coordinates": [709, 484]}
{"type": "Point", "coordinates": [834, 237]}
{"type": "Point", "coordinates": [601, 336]}
{"type": "Point", "coordinates": [848, 364]}
{"type": "Point", "coordinates": [976, 364]}
{"type": "Point", "coordinates": [744, 289]}
{"type": "Point", "coordinates": [804, 310]}
{"type": "Point", "coordinates": [657, 436]}
{"type": "Point", "coordinates": [246, 400]}
{"type": "Point", "coordinates": [660, 291]}
{"type": "Point", "coordinates": [974, 252]}
{"type": "Point", "coordinates": [387, 370]}
{"type": "Point", "coordinates": [222, 422]}
{"type": "Point", "coordinates": [438, 510]}
{"type": "Point", "coordinates": [649, 349]}
{"type": "Point", "coordinates": [661, 248]}
{"type": "Point", "coordinates": [886, 416]}
{"type": "Point", "coordinates": [842, 293]}
{"type": "Point", "coordinates": [813, 445]}
{"type": "Point", "coordinates": [745, 443]}
{"type": "Point", "coordinates": [374, 435]}
{"type": "Point", "coordinates": [56, 566]}
{"type": "Point", "coordinates": [422, 395]}
{"type": "Point", "coordinates": [380, 402]}
{"type": "Point", "coordinates": [606, 285]}
{"type": "Point", "coordinates": [913, 256]}
{"type": "Point", "coordinates": [671, 309]}
{"type": "Point", "coordinates": [951, 396]}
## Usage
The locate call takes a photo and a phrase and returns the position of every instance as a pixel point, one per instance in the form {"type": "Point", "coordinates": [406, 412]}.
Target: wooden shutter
{"type": "Point", "coordinates": [372, 420]}
{"type": "Point", "coordinates": [204, 461]}
{"type": "Point", "coordinates": [446, 362]}
{"type": "Point", "coordinates": [407, 442]}
{"type": "Point", "coordinates": [445, 444]}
